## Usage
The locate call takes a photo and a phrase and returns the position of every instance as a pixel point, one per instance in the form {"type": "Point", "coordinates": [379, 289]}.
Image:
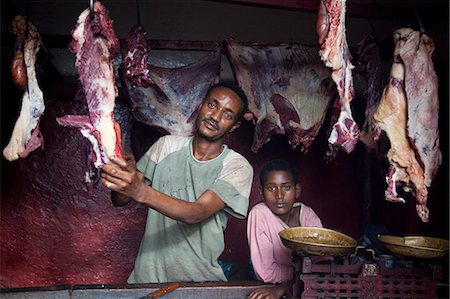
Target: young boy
{"type": "Point", "coordinates": [279, 210]}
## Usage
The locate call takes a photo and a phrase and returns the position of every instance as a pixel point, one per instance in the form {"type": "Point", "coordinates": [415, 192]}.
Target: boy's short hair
{"type": "Point", "coordinates": [277, 165]}
{"type": "Point", "coordinates": [234, 87]}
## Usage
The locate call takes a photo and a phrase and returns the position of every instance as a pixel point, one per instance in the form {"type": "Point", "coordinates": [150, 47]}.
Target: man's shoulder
{"type": "Point", "coordinates": [174, 142]}
{"type": "Point", "coordinates": [165, 146]}
{"type": "Point", "coordinates": [174, 139]}
{"type": "Point", "coordinates": [234, 157]}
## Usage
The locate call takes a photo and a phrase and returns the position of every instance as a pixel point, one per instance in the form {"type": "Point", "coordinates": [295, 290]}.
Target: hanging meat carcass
{"type": "Point", "coordinates": [408, 113]}
{"type": "Point", "coordinates": [368, 64]}
{"type": "Point", "coordinates": [421, 86]}
{"type": "Point", "coordinates": [335, 54]}
{"type": "Point", "coordinates": [135, 61]}
{"type": "Point", "coordinates": [26, 136]}
{"type": "Point", "coordinates": [96, 45]}
{"type": "Point", "coordinates": [288, 88]}
{"type": "Point", "coordinates": [166, 98]}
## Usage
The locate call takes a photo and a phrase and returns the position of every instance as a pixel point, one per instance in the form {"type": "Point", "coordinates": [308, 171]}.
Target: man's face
{"type": "Point", "coordinates": [280, 192]}
{"type": "Point", "coordinates": [218, 113]}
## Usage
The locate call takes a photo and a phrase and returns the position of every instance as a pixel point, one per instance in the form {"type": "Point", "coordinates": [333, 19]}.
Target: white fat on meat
{"type": "Point", "coordinates": [392, 116]}
{"type": "Point", "coordinates": [26, 135]}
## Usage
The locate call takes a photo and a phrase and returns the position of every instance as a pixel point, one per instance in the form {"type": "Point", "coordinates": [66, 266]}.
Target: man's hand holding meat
{"type": "Point", "coordinates": [121, 176]}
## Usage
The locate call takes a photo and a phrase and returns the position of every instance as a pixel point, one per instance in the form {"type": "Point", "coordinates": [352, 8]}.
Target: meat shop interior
{"type": "Point", "coordinates": [354, 94]}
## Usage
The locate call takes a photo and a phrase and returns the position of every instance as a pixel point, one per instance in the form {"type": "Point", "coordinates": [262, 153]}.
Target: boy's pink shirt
{"type": "Point", "coordinates": [271, 260]}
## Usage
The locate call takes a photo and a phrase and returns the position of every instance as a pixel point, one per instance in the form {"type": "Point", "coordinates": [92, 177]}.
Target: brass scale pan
{"type": "Point", "coordinates": [328, 242]}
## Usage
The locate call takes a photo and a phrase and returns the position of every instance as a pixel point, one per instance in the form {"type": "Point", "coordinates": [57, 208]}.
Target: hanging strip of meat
{"type": "Point", "coordinates": [26, 136]}
{"type": "Point", "coordinates": [335, 54]}
{"type": "Point", "coordinates": [135, 61]}
{"type": "Point", "coordinates": [391, 116]}
{"type": "Point", "coordinates": [368, 64]}
{"type": "Point", "coordinates": [421, 85]}
{"type": "Point", "coordinates": [166, 98]}
{"type": "Point", "coordinates": [96, 45]}
{"type": "Point", "coordinates": [288, 88]}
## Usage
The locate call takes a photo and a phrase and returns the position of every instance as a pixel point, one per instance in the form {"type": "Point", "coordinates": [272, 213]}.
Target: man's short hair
{"type": "Point", "coordinates": [277, 165]}
{"type": "Point", "coordinates": [234, 87]}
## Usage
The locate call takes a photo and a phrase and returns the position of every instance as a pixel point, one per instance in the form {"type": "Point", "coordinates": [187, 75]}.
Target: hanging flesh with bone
{"type": "Point", "coordinates": [96, 45]}
{"type": "Point", "coordinates": [335, 54]}
{"type": "Point", "coordinates": [368, 64]}
{"type": "Point", "coordinates": [135, 62]}
{"type": "Point", "coordinates": [26, 136]}
{"type": "Point", "coordinates": [408, 113]}
{"type": "Point", "coordinates": [421, 86]}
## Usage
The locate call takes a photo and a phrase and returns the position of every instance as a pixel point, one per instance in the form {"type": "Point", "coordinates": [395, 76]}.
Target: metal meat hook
{"type": "Point", "coordinates": [422, 28]}
{"type": "Point", "coordinates": [374, 31]}
{"type": "Point", "coordinates": [138, 12]}
{"type": "Point", "coordinates": [419, 20]}
{"type": "Point", "coordinates": [26, 20]}
{"type": "Point", "coordinates": [91, 9]}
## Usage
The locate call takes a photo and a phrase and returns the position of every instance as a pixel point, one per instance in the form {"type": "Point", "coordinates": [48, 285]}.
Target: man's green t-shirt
{"type": "Point", "coordinates": [175, 251]}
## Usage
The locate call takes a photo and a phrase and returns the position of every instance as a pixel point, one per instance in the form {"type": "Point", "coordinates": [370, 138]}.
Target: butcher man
{"type": "Point", "coordinates": [190, 185]}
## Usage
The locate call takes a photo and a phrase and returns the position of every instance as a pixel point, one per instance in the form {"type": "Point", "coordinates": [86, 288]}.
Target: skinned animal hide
{"type": "Point", "coordinates": [166, 98]}
{"type": "Point", "coordinates": [289, 90]}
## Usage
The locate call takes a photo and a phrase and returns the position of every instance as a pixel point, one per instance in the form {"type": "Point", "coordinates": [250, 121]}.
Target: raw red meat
{"type": "Point", "coordinates": [135, 61]}
{"type": "Point", "coordinates": [96, 45]}
{"type": "Point", "coordinates": [166, 98]}
{"type": "Point", "coordinates": [288, 88]}
{"type": "Point", "coordinates": [368, 64]}
{"type": "Point", "coordinates": [336, 55]}
{"type": "Point", "coordinates": [26, 136]}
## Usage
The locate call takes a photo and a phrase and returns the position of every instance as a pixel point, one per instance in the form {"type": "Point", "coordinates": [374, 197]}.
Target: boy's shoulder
{"type": "Point", "coordinates": [259, 207]}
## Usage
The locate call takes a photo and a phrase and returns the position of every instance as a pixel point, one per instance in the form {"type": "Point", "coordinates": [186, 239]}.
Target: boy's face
{"type": "Point", "coordinates": [280, 192]}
